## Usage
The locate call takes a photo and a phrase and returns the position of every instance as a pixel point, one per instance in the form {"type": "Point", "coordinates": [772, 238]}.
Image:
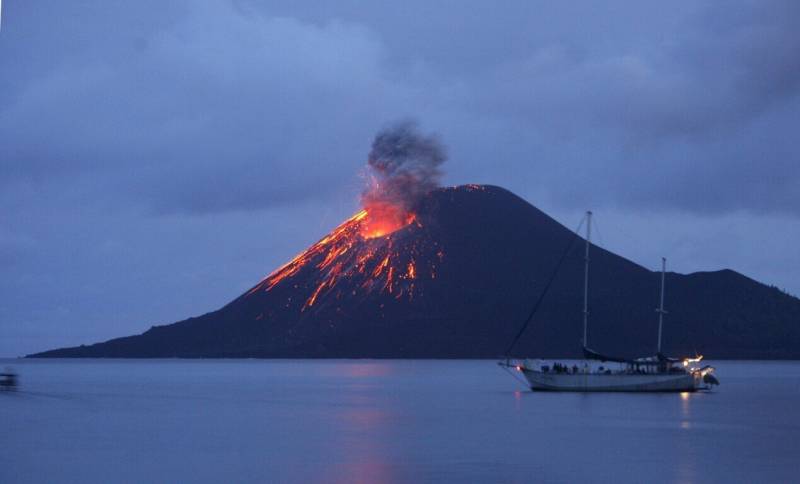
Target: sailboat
{"type": "Point", "coordinates": [657, 373]}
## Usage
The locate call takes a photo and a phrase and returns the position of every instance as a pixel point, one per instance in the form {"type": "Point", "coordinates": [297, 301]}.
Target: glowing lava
{"type": "Point", "coordinates": [370, 250]}
{"type": "Point", "coordinates": [383, 219]}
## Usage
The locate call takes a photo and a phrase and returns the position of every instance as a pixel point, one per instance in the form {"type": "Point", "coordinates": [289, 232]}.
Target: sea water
{"type": "Point", "coordinates": [373, 421]}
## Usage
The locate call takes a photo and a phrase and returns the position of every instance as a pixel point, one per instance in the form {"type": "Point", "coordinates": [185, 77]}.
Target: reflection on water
{"type": "Point", "coordinates": [685, 410]}
{"type": "Point", "coordinates": [363, 370]}
{"type": "Point", "coordinates": [364, 456]}
{"type": "Point", "coordinates": [385, 422]}
{"type": "Point", "coordinates": [686, 464]}
{"type": "Point", "coordinates": [365, 427]}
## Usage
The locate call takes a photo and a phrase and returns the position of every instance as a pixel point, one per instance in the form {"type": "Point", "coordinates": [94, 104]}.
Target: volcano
{"type": "Point", "coordinates": [456, 278]}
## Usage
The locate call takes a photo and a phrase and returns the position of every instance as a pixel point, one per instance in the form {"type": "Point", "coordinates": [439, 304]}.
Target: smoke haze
{"type": "Point", "coordinates": [404, 165]}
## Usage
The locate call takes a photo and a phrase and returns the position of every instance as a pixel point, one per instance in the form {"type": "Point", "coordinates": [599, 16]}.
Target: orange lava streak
{"type": "Point", "coordinates": [332, 255]}
{"type": "Point", "coordinates": [381, 266]}
{"type": "Point", "coordinates": [361, 261]}
{"type": "Point", "coordinates": [313, 297]}
{"type": "Point", "coordinates": [389, 279]}
{"type": "Point", "coordinates": [412, 272]}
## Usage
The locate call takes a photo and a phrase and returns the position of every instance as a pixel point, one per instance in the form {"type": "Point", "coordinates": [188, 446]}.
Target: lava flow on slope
{"type": "Point", "coordinates": [371, 254]}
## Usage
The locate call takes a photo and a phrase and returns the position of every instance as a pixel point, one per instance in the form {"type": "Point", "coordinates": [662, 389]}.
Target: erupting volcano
{"type": "Point", "coordinates": [371, 250]}
{"type": "Point", "coordinates": [423, 271]}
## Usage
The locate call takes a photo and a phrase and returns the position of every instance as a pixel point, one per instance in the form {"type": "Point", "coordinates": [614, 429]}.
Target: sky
{"type": "Point", "coordinates": [158, 158]}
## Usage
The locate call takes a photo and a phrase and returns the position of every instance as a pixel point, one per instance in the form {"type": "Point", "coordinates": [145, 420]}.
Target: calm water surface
{"type": "Point", "coordinates": [94, 421]}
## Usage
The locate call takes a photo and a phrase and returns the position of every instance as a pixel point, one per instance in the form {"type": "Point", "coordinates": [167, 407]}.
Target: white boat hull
{"type": "Point", "coordinates": [615, 382]}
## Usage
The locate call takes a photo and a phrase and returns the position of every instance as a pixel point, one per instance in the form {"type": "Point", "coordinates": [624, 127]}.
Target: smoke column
{"type": "Point", "coordinates": [403, 166]}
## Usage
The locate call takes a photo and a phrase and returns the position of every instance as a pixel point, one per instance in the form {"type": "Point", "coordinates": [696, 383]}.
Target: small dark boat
{"type": "Point", "coordinates": [8, 380]}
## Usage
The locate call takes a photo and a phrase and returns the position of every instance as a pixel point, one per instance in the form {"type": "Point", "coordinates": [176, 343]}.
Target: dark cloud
{"type": "Point", "coordinates": [209, 91]}
{"type": "Point", "coordinates": [216, 112]}
{"type": "Point", "coordinates": [695, 118]}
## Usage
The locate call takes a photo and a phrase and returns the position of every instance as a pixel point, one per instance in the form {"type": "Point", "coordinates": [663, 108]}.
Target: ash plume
{"type": "Point", "coordinates": [403, 166]}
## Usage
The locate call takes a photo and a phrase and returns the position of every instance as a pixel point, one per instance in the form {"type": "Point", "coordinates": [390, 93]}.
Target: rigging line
{"type": "Point", "coordinates": [546, 288]}
{"type": "Point", "coordinates": [511, 372]}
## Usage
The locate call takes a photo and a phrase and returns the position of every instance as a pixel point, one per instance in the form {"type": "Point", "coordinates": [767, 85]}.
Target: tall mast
{"type": "Point", "coordinates": [661, 312]}
{"type": "Point", "coordinates": [586, 276]}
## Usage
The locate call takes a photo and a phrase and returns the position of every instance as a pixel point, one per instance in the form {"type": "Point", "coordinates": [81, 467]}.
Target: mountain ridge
{"type": "Point", "coordinates": [458, 281]}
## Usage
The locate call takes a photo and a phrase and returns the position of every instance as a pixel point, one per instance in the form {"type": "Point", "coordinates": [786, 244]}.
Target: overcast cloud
{"type": "Point", "coordinates": [159, 157]}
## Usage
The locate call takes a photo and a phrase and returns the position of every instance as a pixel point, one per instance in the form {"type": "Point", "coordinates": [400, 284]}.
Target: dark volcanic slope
{"type": "Point", "coordinates": [458, 281]}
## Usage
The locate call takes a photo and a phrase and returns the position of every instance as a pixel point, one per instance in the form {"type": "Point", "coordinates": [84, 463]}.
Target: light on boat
{"type": "Point", "coordinates": [519, 368]}
{"type": "Point", "coordinates": [686, 361]}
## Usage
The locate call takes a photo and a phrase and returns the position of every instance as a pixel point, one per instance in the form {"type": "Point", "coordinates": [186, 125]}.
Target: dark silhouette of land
{"type": "Point", "coordinates": [481, 256]}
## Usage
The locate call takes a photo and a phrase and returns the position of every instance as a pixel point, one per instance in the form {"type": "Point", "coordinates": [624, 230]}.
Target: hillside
{"type": "Point", "coordinates": [457, 280]}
